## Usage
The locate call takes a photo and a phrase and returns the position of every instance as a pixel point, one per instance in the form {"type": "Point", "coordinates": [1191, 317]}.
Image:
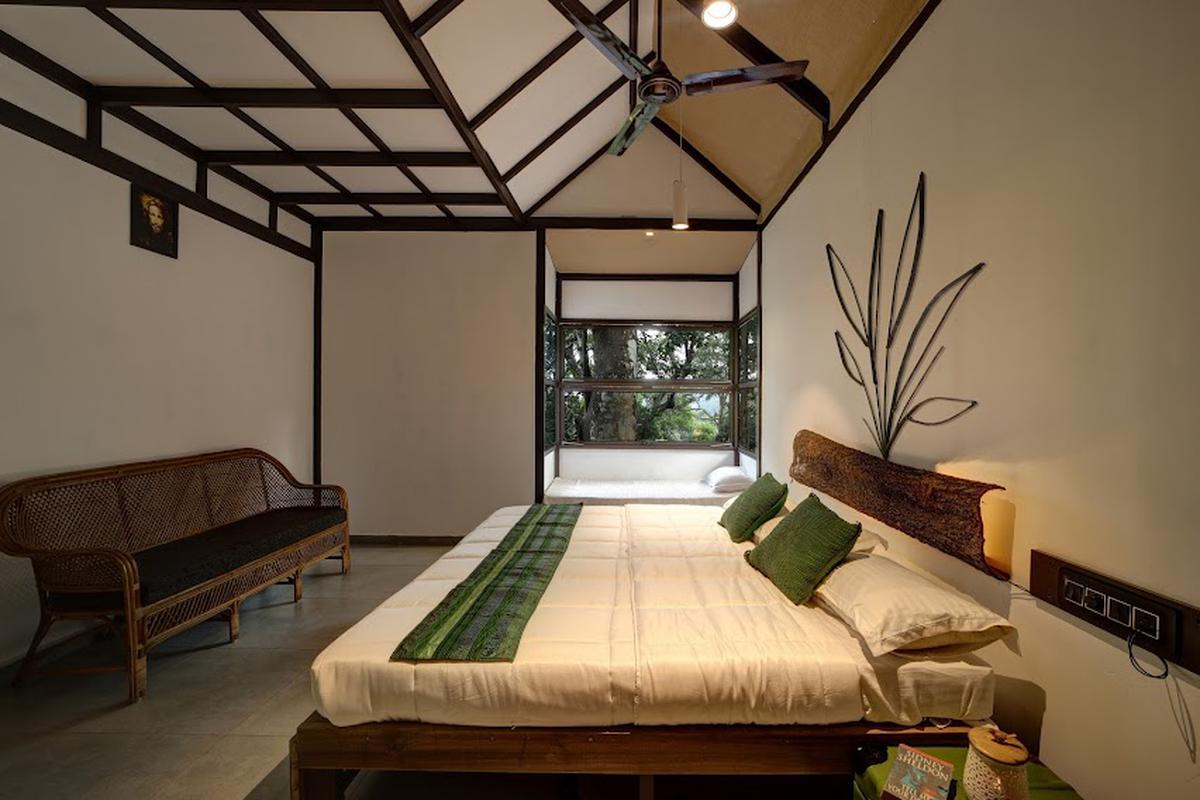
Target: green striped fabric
{"type": "Point", "coordinates": [482, 618]}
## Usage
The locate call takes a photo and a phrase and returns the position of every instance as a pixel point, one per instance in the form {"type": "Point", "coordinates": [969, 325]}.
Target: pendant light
{"type": "Point", "coordinates": [679, 210]}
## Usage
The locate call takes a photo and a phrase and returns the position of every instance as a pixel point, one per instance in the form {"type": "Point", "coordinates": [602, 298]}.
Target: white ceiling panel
{"type": "Point", "coordinates": [336, 211]}
{"type": "Point", "coordinates": [349, 50]}
{"type": "Point", "coordinates": [550, 101]}
{"type": "Point", "coordinates": [640, 182]}
{"type": "Point", "coordinates": [230, 195]}
{"type": "Point", "coordinates": [293, 227]}
{"type": "Point", "coordinates": [312, 128]}
{"type": "Point", "coordinates": [371, 179]}
{"type": "Point", "coordinates": [570, 151]}
{"type": "Point", "coordinates": [485, 45]}
{"type": "Point", "coordinates": [209, 128]}
{"type": "Point", "coordinates": [45, 98]}
{"type": "Point", "coordinates": [480, 211]}
{"type": "Point", "coordinates": [409, 211]}
{"type": "Point", "coordinates": [416, 7]}
{"type": "Point", "coordinates": [287, 179]}
{"type": "Point", "coordinates": [413, 128]}
{"type": "Point", "coordinates": [152, 154]}
{"type": "Point", "coordinates": [220, 47]}
{"type": "Point", "coordinates": [453, 179]}
{"type": "Point", "coordinates": [81, 42]}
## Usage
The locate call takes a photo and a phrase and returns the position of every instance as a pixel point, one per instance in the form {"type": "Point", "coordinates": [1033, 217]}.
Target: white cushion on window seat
{"type": "Point", "coordinates": [620, 492]}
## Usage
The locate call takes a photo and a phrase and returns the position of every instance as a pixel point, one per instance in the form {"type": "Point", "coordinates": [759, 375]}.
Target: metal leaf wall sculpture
{"type": "Point", "coordinates": [892, 394]}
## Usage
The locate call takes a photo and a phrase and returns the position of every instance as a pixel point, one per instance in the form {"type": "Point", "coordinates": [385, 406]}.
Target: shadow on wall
{"type": "Point", "coordinates": [1020, 707]}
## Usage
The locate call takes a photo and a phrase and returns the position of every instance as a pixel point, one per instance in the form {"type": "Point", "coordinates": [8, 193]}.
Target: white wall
{"type": "Point", "coordinates": [427, 397]}
{"type": "Point", "coordinates": [1059, 142]}
{"type": "Point", "coordinates": [748, 283]}
{"type": "Point", "coordinates": [651, 300]}
{"type": "Point", "coordinates": [112, 353]}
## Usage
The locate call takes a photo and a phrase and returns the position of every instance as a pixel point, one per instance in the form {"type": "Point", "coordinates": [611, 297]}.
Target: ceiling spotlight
{"type": "Point", "coordinates": [649, 233]}
{"type": "Point", "coordinates": [719, 14]}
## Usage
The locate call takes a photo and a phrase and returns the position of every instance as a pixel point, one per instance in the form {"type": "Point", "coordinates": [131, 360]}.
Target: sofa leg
{"type": "Point", "coordinates": [235, 622]}
{"type": "Point", "coordinates": [298, 586]}
{"type": "Point", "coordinates": [346, 558]}
{"type": "Point", "coordinates": [27, 664]}
{"type": "Point", "coordinates": [137, 674]}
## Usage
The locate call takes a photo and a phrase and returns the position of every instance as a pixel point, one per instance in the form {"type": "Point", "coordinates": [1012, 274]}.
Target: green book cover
{"type": "Point", "coordinates": [919, 776]}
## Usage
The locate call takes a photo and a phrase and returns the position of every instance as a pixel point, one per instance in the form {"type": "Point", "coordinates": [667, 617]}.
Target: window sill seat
{"type": "Point", "coordinates": [620, 492]}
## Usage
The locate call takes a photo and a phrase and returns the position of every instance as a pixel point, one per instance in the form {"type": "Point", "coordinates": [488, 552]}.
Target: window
{"type": "Point", "coordinates": [549, 381]}
{"type": "Point", "coordinates": [748, 340]}
{"type": "Point", "coordinates": [647, 384]}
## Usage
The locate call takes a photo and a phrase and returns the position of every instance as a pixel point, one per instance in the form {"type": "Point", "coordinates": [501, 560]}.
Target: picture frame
{"type": "Point", "coordinates": [153, 222]}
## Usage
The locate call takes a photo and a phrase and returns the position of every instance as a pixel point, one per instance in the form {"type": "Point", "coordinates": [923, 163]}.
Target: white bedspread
{"type": "Point", "coordinates": [653, 617]}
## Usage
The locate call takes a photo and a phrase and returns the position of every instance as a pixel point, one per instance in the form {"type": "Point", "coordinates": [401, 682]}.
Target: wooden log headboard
{"type": "Point", "coordinates": [939, 510]}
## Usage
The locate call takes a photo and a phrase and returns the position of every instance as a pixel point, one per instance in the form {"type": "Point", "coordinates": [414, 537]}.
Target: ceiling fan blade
{"type": "Point", "coordinates": [633, 127]}
{"type": "Point", "coordinates": [607, 42]}
{"type": "Point", "coordinates": [728, 79]}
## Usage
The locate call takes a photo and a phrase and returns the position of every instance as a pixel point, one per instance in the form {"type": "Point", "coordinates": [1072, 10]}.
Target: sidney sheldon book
{"type": "Point", "coordinates": [919, 776]}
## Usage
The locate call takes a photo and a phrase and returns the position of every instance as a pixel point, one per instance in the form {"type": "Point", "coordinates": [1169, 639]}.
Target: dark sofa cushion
{"type": "Point", "coordinates": [179, 565]}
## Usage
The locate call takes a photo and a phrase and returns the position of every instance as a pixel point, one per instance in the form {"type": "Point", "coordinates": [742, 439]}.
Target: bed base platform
{"type": "Point", "coordinates": [324, 758]}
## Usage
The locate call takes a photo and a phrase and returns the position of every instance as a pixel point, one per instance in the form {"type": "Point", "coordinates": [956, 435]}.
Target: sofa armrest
{"type": "Point", "coordinates": [84, 570]}
{"type": "Point", "coordinates": [298, 495]}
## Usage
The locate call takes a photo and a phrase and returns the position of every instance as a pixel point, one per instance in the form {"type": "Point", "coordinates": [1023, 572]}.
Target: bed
{"type": "Point", "coordinates": [653, 617]}
{"type": "Point", "coordinates": [654, 650]}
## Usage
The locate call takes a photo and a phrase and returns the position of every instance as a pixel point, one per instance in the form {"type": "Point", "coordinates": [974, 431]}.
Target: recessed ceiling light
{"type": "Point", "coordinates": [719, 14]}
{"type": "Point", "coordinates": [649, 233]}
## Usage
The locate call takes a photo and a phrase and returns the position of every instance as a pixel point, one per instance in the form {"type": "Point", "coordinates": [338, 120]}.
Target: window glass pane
{"type": "Point", "coordinates": [550, 337]}
{"type": "Point", "coordinates": [549, 429]}
{"type": "Point", "coordinates": [748, 351]}
{"type": "Point", "coordinates": [611, 352]}
{"type": "Point", "coordinates": [748, 420]}
{"type": "Point", "coordinates": [627, 416]}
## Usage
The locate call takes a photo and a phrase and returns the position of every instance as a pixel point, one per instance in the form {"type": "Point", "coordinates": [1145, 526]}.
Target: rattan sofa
{"type": "Point", "coordinates": [153, 548]}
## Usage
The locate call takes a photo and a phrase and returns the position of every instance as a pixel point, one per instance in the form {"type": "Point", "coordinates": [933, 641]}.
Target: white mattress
{"type": "Point", "coordinates": [621, 492]}
{"type": "Point", "coordinates": [653, 617]}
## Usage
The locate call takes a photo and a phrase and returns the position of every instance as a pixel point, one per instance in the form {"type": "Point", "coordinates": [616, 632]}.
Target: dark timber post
{"type": "Point", "coordinates": [318, 259]}
{"type": "Point", "coordinates": [539, 360]}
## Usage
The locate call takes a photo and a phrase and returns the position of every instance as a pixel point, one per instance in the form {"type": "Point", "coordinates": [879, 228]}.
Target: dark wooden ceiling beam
{"type": "Point", "coordinates": [502, 224]}
{"type": "Point", "coordinates": [803, 90]}
{"type": "Point", "coordinates": [433, 15]}
{"type": "Point", "coordinates": [136, 38]}
{"type": "Point", "coordinates": [536, 71]}
{"type": "Point", "coordinates": [401, 25]}
{"type": "Point", "coordinates": [265, 98]}
{"type": "Point", "coordinates": [708, 166]}
{"type": "Point", "coordinates": [564, 129]}
{"type": "Point", "coordinates": [209, 5]}
{"type": "Point", "coordinates": [51, 70]}
{"type": "Point", "coordinates": [298, 61]}
{"type": "Point", "coordinates": [389, 198]}
{"type": "Point", "coordinates": [340, 158]}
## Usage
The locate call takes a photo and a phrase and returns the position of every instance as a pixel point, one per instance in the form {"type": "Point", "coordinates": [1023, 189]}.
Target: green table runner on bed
{"type": "Point", "coordinates": [482, 618]}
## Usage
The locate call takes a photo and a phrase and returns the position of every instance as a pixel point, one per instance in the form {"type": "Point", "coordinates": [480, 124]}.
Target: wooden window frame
{"type": "Point", "coordinates": [727, 387]}
{"type": "Point", "coordinates": [751, 316]}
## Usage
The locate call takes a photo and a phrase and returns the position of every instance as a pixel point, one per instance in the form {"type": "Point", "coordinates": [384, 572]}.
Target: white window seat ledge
{"type": "Point", "coordinates": [619, 492]}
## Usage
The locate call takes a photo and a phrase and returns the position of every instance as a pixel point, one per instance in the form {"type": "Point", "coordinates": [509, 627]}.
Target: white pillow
{"type": "Point", "coordinates": [728, 479]}
{"type": "Point", "coordinates": [867, 541]}
{"type": "Point", "coordinates": [894, 609]}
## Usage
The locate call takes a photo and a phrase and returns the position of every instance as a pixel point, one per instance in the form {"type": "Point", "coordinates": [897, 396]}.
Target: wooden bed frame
{"type": "Point", "coordinates": [324, 758]}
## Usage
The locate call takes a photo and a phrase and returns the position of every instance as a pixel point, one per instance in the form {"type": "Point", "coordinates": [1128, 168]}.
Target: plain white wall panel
{"type": "Point", "coordinates": [649, 300]}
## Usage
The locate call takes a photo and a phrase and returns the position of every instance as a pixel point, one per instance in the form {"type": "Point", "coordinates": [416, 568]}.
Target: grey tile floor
{"type": "Point", "coordinates": [217, 717]}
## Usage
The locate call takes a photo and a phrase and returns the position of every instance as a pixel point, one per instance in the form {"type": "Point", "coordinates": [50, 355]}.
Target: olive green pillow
{"type": "Point", "coordinates": [804, 547]}
{"type": "Point", "coordinates": [761, 501]}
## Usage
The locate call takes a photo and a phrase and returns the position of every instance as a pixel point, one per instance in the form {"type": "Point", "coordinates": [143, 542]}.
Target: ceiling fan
{"type": "Point", "coordinates": [657, 86]}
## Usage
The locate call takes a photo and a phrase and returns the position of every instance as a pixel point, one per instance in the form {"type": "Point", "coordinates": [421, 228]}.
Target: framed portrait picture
{"type": "Point", "coordinates": [153, 222]}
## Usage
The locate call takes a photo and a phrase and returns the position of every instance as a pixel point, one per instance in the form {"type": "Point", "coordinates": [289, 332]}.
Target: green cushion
{"type": "Point", "coordinates": [1043, 784]}
{"type": "Point", "coordinates": [804, 547]}
{"type": "Point", "coordinates": [761, 501]}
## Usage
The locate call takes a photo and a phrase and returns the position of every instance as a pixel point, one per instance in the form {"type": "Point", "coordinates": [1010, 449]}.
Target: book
{"type": "Point", "coordinates": [918, 776]}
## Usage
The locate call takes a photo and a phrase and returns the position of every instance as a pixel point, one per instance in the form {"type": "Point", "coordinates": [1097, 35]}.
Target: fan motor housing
{"type": "Point", "coordinates": [660, 86]}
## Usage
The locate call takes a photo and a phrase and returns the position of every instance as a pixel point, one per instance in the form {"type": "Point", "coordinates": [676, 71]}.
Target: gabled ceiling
{"type": "Point", "coordinates": [462, 108]}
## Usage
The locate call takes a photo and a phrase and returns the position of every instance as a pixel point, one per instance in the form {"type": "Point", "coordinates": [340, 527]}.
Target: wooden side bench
{"type": "Point", "coordinates": [153, 548]}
